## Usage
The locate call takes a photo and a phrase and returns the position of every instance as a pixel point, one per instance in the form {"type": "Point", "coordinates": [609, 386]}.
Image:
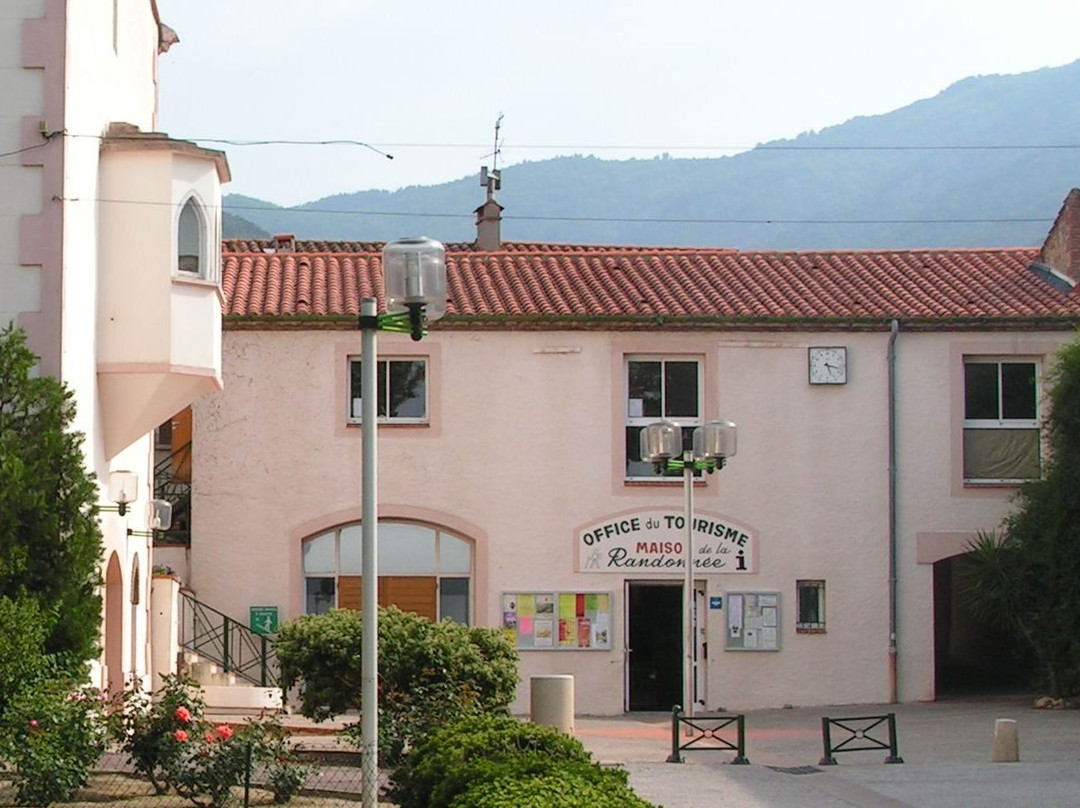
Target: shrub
{"type": "Point", "coordinates": [213, 760]}
{"type": "Point", "coordinates": [52, 734]}
{"type": "Point", "coordinates": [22, 647]}
{"type": "Point", "coordinates": [481, 749]}
{"type": "Point", "coordinates": [145, 727]}
{"type": "Point", "coordinates": [568, 786]}
{"type": "Point", "coordinates": [429, 673]}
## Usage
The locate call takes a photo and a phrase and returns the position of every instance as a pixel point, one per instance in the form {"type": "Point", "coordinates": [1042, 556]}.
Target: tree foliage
{"type": "Point", "coordinates": [1027, 578]}
{"type": "Point", "coordinates": [429, 673]}
{"type": "Point", "coordinates": [50, 541]}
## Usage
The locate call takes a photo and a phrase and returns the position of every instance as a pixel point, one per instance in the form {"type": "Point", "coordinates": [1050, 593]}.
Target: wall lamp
{"type": "Point", "coordinates": [158, 517]}
{"type": "Point", "coordinates": [123, 490]}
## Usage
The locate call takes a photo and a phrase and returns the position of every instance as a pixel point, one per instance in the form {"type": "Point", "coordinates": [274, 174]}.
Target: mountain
{"type": "Point", "coordinates": [801, 193]}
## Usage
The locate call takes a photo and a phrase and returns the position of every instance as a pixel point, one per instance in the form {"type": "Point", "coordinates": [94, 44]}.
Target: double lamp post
{"type": "Point", "coordinates": [662, 445]}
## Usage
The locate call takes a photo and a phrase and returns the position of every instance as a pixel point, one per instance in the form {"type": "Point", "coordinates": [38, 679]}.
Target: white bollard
{"type": "Point", "coordinates": [551, 702]}
{"type": "Point", "coordinates": [1006, 741]}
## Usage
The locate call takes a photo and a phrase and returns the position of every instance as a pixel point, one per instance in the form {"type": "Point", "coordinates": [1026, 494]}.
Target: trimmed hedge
{"type": "Point", "coordinates": [486, 757]}
{"type": "Point", "coordinates": [565, 787]}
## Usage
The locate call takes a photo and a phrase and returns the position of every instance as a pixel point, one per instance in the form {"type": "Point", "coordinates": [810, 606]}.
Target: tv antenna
{"type": "Point", "coordinates": [492, 180]}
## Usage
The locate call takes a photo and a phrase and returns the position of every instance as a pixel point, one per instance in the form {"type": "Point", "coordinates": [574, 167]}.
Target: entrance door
{"type": "Point", "coordinates": [654, 632]}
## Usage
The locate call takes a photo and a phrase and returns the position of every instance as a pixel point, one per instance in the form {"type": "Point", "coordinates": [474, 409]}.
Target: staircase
{"type": "Point", "coordinates": [236, 667]}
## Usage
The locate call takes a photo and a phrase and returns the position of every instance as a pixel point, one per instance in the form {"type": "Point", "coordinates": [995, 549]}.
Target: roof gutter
{"type": "Point", "coordinates": [894, 667]}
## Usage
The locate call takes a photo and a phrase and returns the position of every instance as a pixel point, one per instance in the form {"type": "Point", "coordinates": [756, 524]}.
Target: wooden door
{"type": "Point", "coordinates": [410, 593]}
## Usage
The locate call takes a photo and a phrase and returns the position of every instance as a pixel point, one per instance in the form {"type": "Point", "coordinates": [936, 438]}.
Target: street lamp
{"type": "Point", "coordinates": [414, 277]}
{"type": "Point", "coordinates": [662, 445]}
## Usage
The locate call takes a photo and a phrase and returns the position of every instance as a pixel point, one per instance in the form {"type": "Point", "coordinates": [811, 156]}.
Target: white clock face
{"type": "Point", "coordinates": [828, 365]}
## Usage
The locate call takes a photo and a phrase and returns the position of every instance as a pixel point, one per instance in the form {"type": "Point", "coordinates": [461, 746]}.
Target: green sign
{"type": "Point", "coordinates": [263, 619]}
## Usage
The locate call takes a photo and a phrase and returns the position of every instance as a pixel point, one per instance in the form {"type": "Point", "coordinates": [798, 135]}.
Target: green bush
{"type": "Point", "coordinates": [145, 727]}
{"type": "Point", "coordinates": [429, 673]}
{"type": "Point", "coordinates": [51, 735]}
{"type": "Point", "coordinates": [481, 749]}
{"type": "Point", "coordinates": [567, 786]}
{"type": "Point", "coordinates": [22, 647]}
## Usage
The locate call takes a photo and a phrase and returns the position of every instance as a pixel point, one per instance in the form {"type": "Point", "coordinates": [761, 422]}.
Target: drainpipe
{"type": "Point", "coordinates": [894, 670]}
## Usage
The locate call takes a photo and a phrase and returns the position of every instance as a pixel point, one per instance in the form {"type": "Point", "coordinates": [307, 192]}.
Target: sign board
{"type": "Point", "coordinates": [558, 621]}
{"type": "Point", "coordinates": [716, 602]}
{"type": "Point", "coordinates": [651, 542]}
{"type": "Point", "coordinates": [263, 619]}
{"type": "Point", "coordinates": [753, 621]}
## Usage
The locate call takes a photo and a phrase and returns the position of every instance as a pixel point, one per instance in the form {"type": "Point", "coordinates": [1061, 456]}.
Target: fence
{"type": "Point", "coordinates": [703, 733]}
{"type": "Point", "coordinates": [217, 637]}
{"type": "Point", "coordinates": [330, 778]}
{"type": "Point", "coordinates": [859, 738]}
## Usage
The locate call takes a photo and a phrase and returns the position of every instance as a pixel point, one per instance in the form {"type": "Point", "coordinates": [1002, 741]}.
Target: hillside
{"type": "Point", "coordinates": [819, 179]}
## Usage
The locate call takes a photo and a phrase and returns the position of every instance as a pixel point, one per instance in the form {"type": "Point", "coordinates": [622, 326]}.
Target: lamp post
{"type": "Point", "coordinates": [414, 275]}
{"type": "Point", "coordinates": [662, 445]}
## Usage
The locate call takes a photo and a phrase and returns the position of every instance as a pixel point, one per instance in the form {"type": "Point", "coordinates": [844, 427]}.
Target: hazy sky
{"type": "Point", "coordinates": [425, 80]}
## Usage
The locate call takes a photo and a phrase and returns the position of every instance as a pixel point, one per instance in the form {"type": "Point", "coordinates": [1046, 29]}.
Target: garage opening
{"type": "Point", "coordinates": [972, 657]}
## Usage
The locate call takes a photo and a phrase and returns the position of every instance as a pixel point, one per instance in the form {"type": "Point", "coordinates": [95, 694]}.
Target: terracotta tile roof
{"type": "Point", "coordinates": [560, 284]}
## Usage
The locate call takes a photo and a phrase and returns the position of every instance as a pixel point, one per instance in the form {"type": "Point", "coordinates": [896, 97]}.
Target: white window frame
{"type": "Point", "coordinates": [806, 626]}
{"type": "Point", "coordinates": [683, 421]}
{"type": "Point", "coordinates": [438, 574]}
{"type": "Point", "coordinates": [1001, 422]}
{"type": "Point", "coordinates": [206, 261]}
{"type": "Point", "coordinates": [388, 419]}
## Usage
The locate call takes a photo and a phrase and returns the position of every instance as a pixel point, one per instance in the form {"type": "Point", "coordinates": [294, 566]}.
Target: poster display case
{"type": "Point", "coordinates": [753, 621]}
{"type": "Point", "coordinates": [558, 621]}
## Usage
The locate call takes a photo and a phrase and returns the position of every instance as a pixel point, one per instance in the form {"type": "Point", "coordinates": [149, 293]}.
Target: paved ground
{"type": "Point", "coordinates": [946, 747]}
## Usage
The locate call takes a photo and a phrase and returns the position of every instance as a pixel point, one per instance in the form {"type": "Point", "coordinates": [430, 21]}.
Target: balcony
{"type": "Point", "coordinates": [159, 291]}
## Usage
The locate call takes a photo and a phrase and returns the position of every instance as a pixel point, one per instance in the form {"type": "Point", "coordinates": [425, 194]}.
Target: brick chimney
{"type": "Point", "coordinates": [489, 215]}
{"type": "Point", "coordinates": [283, 242]}
{"type": "Point", "coordinates": [1061, 249]}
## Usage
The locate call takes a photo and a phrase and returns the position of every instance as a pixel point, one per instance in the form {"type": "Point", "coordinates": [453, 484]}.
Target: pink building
{"type": "Point", "coordinates": [888, 405]}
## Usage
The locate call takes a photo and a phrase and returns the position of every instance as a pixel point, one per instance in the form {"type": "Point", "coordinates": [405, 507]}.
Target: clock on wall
{"type": "Point", "coordinates": [828, 364]}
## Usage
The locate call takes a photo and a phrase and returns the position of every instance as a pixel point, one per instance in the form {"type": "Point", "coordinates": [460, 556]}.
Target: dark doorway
{"type": "Point", "coordinates": [971, 657]}
{"type": "Point", "coordinates": [655, 631]}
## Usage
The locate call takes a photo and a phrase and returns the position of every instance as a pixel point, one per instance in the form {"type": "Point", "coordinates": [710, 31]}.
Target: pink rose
{"type": "Point", "coordinates": [33, 723]}
{"type": "Point", "coordinates": [224, 732]}
{"type": "Point", "coordinates": [182, 714]}
{"type": "Point", "coordinates": [180, 735]}
{"type": "Point", "coordinates": [209, 736]}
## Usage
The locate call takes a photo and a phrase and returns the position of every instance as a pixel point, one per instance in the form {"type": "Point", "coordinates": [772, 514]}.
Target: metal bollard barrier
{"type": "Point", "coordinates": [859, 729]}
{"type": "Point", "coordinates": [703, 731]}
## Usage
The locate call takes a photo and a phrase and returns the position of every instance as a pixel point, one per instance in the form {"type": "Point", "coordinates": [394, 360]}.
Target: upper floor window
{"type": "Point", "coordinates": [810, 602]}
{"type": "Point", "coordinates": [191, 240]}
{"type": "Point", "coordinates": [402, 391]}
{"type": "Point", "coordinates": [656, 388]}
{"type": "Point", "coordinates": [1001, 426]}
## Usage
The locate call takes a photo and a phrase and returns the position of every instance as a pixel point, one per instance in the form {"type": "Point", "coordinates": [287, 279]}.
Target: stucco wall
{"type": "Point", "coordinates": [525, 444]}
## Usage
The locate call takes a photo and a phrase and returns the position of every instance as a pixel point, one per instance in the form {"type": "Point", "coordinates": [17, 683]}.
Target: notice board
{"type": "Point", "coordinates": [558, 621]}
{"type": "Point", "coordinates": [753, 621]}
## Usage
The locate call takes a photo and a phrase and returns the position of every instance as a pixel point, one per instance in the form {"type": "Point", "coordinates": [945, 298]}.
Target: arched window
{"type": "Point", "coordinates": [191, 240]}
{"type": "Point", "coordinates": [421, 569]}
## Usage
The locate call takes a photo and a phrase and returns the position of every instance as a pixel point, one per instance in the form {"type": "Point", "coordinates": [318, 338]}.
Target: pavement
{"type": "Point", "coordinates": [946, 747]}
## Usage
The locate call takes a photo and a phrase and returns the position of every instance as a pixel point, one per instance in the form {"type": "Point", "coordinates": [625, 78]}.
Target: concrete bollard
{"type": "Point", "coordinates": [1006, 741]}
{"type": "Point", "coordinates": [551, 702]}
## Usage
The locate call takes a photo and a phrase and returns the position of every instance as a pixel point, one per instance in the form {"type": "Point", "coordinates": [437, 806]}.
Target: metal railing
{"type": "Point", "coordinates": [703, 733]}
{"type": "Point", "coordinates": [229, 643]}
{"type": "Point", "coordinates": [859, 738]}
{"type": "Point", "coordinates": [175, 489]}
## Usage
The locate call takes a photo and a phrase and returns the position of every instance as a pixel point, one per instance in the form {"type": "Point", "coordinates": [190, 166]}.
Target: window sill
{"type": "Point", "coordinates": [808, 630]}
{"type": "Point", "coordinates": [196, 280]}
{"type": "Point", "coordinates": [671, 481]}
{"type": "Point", "coordinates": [391, 424]}
{"type": "Point", "coordinates": [972, 484]}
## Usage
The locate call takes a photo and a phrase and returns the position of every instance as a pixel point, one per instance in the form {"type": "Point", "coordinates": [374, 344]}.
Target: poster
{"type": "Point", "coordinates": [561, 621]}
{"type": "Point", "coordinates": [753, 621]}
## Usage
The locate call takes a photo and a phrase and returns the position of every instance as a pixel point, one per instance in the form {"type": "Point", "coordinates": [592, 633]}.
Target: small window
{"type": "Point", "coordinates": [191, 239]}
{"type": "Point", "coordinates": [810, 601]}
{"type": "Point", "coordinates": [659, 388]}
{"type": "Point", "coordinates": [1001, 428]}
{"type": "Point", "coordinates": [402, 390]}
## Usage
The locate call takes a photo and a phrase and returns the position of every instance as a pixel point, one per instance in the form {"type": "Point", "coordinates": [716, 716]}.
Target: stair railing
{"type": "Point", "coordinates": [229, 643]}
{"type": "Point", "coordinates": [175, 489]}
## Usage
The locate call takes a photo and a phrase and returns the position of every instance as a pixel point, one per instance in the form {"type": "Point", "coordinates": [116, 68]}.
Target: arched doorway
{"type": "Point", "coordinates": [114, 626]}
{"type": "Point", "coordinates": [971, 656]}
